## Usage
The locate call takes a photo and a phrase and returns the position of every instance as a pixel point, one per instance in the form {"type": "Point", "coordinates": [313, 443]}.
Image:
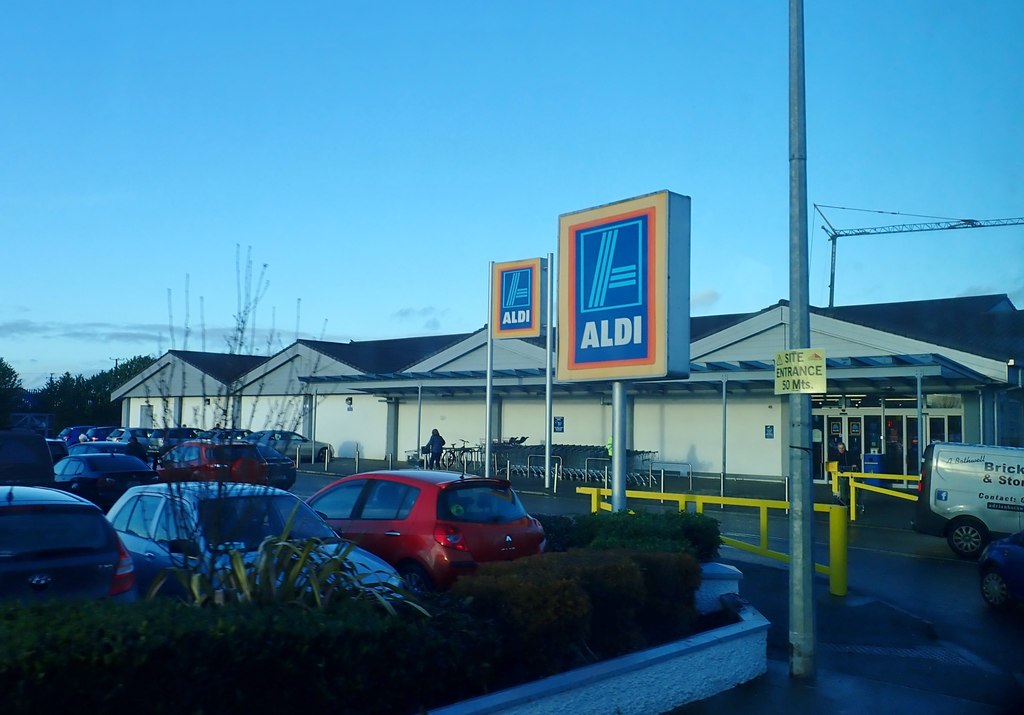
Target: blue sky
{"type": "Point", "coordinates": [376, 156]}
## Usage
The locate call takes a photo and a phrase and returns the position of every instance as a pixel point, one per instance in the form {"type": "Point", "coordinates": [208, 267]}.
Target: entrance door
{"type": "Point", "coordinates": [847, 429]}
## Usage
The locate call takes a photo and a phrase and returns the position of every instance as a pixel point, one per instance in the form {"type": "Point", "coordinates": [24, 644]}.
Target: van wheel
{"type": "Point", "coordinates": [967, 537]}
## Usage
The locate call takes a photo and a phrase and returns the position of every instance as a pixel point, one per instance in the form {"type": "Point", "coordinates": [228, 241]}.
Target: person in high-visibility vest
{"type": "Point", "coordinates": [609, 446]}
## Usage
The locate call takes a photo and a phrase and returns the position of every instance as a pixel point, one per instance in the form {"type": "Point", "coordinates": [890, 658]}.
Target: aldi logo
{"type": "Point", "coordinates": [612, 290]}
{"type": "Point", "coordinates": [516, 306]}
{"type": "Point", "coordinates": [619, 315]}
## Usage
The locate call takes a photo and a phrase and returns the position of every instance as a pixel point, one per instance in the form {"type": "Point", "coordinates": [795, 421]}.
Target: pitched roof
{"type": "Point", "coordinates": [986, 325]}
{"type": "Point", "coordinates": [391, 355]}
{"type": "Point", "coordinates": [223, 367]}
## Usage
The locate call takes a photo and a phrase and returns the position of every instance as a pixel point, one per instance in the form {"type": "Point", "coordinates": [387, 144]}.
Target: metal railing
{"type": "Point", "coordinates": [861, 482]}
{"type": "Point", "coordinates": [838, 518]}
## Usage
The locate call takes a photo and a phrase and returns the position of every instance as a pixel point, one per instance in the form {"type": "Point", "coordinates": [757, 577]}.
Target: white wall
{"type": "Point", "coordinates": [362, 427]}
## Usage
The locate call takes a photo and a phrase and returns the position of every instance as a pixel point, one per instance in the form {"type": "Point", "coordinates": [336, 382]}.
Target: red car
{"type": "Point", "coordinates": [201, 461]}
{"type": "Point", "coordinates": [431, 526]}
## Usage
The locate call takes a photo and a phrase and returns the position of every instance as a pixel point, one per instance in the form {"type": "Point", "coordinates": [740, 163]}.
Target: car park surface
{"type": "Point", "coordinates": [58, 545]}
{"type": "Point", "coordinates": [196, 524]}
{"type": "Point", "coordinates": [101, 477]}
{"type": "Point", "coordinates": [431, 526]}
{"type": "Point", "coordinates": [1001, 572]}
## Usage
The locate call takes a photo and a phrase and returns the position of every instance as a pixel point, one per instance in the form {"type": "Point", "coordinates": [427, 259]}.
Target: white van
{"type": "Point", "coordinates": [970, 493]}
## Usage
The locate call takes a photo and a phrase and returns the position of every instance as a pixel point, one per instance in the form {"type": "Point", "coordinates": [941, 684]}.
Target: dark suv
{"type": "Point", "coordinates": [24, 458]}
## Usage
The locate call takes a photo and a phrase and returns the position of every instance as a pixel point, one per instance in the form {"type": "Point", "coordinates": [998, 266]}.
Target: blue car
{"type": "Point", "coordinates": [1002, 572]}
{"type": "Point", "coordinates": [55, 545]}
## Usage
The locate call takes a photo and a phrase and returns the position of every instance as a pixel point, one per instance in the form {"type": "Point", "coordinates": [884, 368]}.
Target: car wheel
{"type": "Point", "coordinates": [324, 453]}
{"type": "Point", "coordinates": [994, 589]}
{"type": "Point", "coordinates": [967, 537]}
{"type": "Point", "coordinates": [416, 577]}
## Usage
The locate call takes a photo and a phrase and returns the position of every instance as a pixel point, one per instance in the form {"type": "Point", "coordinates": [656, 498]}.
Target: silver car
{"type": "Point", "coordinates": [292, 444]}
{"type": "Point", "coordinates": [197, 525]}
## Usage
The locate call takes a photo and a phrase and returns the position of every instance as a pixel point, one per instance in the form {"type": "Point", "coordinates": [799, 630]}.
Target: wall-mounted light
{"type": "Point", "coordinates": [348, 401]}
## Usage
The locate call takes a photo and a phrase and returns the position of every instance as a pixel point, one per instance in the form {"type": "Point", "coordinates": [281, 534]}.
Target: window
{"type": "Point", "coordinates": [141, 519]}
{"type": "Point", "coordinates": [389, 500]}
{"type": "Point", "coordinates": [338, 503]}
{"type": "Point", "coordinates": [480, 504]}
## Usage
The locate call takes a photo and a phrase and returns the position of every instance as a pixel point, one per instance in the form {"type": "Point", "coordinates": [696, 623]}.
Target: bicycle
{"type": "Point", "coordinates": [454, 458]}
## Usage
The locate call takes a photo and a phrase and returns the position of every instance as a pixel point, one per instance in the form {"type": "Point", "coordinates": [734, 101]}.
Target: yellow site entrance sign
{"type": "Point", "coordinates": [800, 371]}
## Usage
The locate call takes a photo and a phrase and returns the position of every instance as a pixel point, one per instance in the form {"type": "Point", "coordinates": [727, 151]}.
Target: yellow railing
{"type": "Point", "coordinates": [857, 482]}
{"type": "Point", "coordinates": [836, 569]}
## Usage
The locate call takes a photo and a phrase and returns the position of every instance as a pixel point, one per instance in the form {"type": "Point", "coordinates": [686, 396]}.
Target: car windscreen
{"type": "Point", "coordinates": [243, 522]}
{"type": "Point", "coordinates": [482, 504]}
{"type": "Point", "coordinates": [33, 532]}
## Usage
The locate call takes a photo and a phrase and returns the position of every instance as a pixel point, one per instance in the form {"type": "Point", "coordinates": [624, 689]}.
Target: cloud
{"type": "Point", "coordinates": [705, 298]}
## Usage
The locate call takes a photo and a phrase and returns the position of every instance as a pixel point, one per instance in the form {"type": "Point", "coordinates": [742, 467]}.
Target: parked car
{"type": "Point", "coordinates": [124, 434]}
{"type": "Point", "coordinates": [98, 447]}
{"type": "Point", "coordinates": [58, 449]}
{"type": "Point", "coordinates": [160, 440]}
{"type": "Point", "coordinates": [291, 444]}
{"type": "Point", "coordinates": [100, 477]}
{"type": "Point", "coordinates": [225, 435]}
{"type": "Point", "coordinates": [1002, 572]}
{"type": "Point", "coordinates": [280, 469]}
{"type": "Point", "coordinates": [71, 435]}
{"type": "Point", "coordinates": [195, 524]}
{"type": "Point", "coordinates": [98, 434]}
{"type": "Point", "coordinates": [431, 526]}
{"type": "Point", "coordinates": [58, 545]}
{"type": "Point", "coordinates": [24, 458]}
{"type": "Point", "coordinates": [202, 461]}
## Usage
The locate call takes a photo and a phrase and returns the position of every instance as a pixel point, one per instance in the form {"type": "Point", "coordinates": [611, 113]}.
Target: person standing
{"type": "Point", "coordinates": [434, 445]}
{"type": "Point", "coordinates": [135, 448]}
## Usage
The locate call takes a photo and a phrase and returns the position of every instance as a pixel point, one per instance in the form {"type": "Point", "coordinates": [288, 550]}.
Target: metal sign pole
{"type": "Point", "coordinates": [548, 416]}
{"type": "Point", "coordinates": [490, 371]}
{"type": "Point", "coordinates": [618, 446]}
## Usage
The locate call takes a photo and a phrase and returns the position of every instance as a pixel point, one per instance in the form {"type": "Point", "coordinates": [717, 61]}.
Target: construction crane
{"type": "Point", "coordinates": [943, 225]}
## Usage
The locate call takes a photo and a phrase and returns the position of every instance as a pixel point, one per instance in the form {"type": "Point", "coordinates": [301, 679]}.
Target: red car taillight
{"type": "Point", "coordinates": [449, 537]}
{"type": "Point", "coordinates": [124, 575]}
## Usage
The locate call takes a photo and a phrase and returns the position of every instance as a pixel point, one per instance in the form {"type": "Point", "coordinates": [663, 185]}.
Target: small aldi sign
{"type": "Point", "coordinates": [517, 304]}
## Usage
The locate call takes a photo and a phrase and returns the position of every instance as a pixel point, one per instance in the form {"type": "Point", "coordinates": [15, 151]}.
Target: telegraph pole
{"type": "Point", "coordinates": [801, 515]}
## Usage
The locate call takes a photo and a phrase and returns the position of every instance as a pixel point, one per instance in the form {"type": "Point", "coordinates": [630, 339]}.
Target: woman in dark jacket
{"type": "Point", "coordinates": [435, 444]}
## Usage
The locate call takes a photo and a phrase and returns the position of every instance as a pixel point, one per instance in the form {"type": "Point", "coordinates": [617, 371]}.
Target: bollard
{"type": "Point", "coordinates": [838, 519]}
{"type": "Point", "coordinates": [357, 460]}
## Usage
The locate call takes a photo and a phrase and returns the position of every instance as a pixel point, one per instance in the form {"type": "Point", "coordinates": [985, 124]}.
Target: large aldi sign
{"type": "Point", "coordinates": [517, 302]}
{"type": "Point", "coordinates": [624, 290]}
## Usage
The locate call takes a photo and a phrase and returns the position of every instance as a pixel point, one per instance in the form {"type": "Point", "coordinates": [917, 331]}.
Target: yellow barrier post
{"type": "Point", "coordinates": [833, 471]}
{"type": "Point", "coordinates": [837, 537]}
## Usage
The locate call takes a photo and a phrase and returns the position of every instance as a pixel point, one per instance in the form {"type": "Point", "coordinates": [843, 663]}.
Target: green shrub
{"type": "Point", "coordinates": [696, 534]}
{"type": "Point", "coordinates": [164, 657]}
{"type": "Point", "coordinates": [560, 610]}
